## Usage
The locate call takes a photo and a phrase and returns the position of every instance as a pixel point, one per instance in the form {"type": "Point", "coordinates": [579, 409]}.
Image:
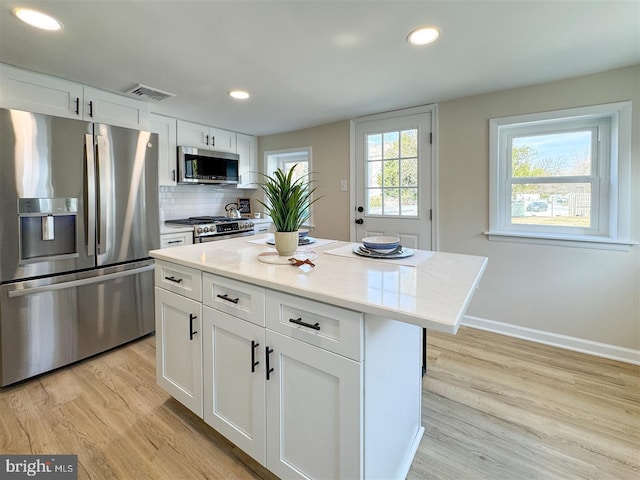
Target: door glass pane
{"type": "Point", "coordinates": [397, 173]}
{"type": "Point", "coordinates": [391, 201]}
{"type": "Point", "coordinates": [409, 143]}
{"type": "Point", "coordinates": [391, 173]}
{"type": "Point", "coordinates": [374, 147]}
{"type": "Point", "coordinates": [374, 201]}
{"type": "Point", "coordinates": [552, 155]}
{"type": "Point", "coordinates": [391, 144]}
{"type": "Point", "coordinates": [559, 204]}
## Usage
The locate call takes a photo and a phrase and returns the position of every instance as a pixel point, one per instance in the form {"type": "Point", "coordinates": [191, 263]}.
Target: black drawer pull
{"type": "Point", "coordinates": [226, 297]}
{"type": "Point", "coordinates": [298, 321]}
{"type": "Point", "coordinates": [254, 363]}
{"type": "Point", "coordinates": [175, 241]}
{"type": "Point", "coordinates": [192, 332]}
{"type": "Point", "coordinates": [268, 352]}
{"type": "Point", "coordinates": [173, 279]}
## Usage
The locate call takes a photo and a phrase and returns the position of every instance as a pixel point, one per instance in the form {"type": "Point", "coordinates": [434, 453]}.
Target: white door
{"type": "Point", "coordinates": [313, 411]}
{"type": "Point", "coordinates": [393, 179]}
{"type": "Point", "coordinates": [179, 348]}
{"type": "Point", "coordinates": [234, 381]}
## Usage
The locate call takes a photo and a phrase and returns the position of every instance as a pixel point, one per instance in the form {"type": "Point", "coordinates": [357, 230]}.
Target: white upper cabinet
{"type": "Point", "coordinates": [247, 147]}
{"type": "Point", "coordinates": [106, 107]}
{"type": "Point", "coordinates": [165, 127]}
{"type": "Point", "coordinates": [34, 92]}
{"type": "Point", "coordinates": [205, 137]}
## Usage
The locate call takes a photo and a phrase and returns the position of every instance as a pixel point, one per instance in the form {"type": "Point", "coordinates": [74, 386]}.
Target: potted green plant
{"type": "Point", "coordinates": [287, 200]}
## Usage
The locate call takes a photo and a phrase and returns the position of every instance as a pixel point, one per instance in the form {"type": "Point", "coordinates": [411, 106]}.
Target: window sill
{"type": "Point", "coordinates": [598, 243]}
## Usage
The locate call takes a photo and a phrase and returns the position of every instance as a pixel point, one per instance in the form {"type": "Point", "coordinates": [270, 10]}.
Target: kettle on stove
{"type": "Point", "coordinates": [232, 210]}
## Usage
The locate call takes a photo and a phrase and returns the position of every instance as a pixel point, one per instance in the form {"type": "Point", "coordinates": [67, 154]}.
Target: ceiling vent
{"type": "Point", "coordinates": [149, 93]}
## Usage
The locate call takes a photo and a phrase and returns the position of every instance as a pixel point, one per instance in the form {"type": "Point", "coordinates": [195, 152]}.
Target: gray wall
{"type": "Point", "coordinates": [588, 294]}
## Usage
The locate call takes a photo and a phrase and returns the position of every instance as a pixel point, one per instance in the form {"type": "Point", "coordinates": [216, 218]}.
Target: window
{"type": "Point", "coordinates": [285, 160]}
{"type": "Point", "coordinates": [392, 173]}
{"type": "Point", "coordinates": [562, 176]}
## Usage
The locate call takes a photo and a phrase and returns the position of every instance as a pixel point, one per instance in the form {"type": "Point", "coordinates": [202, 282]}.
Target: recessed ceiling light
{"type": "Point", "coordinates": [37, 19]}
{"type": "Point", "coordinates": [423, 36]}
{"type": "Point", "coordinates": [239, 94]}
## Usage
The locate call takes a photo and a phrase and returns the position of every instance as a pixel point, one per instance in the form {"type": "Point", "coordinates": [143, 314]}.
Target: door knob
{"type": "Point", "coordinates": [360, 209]}
{"type": "Point", "coordinates": [359, 221]}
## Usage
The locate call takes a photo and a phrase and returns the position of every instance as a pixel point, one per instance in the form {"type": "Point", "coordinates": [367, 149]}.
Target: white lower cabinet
{"type": "Point", "coordinates": [234, 381]}
{"type": "Point", "coordinates": [308, 390]}
{"type": "Point", "coordinates": [179, 348]}
{"type": "Point", "coordinates": [314, 427]}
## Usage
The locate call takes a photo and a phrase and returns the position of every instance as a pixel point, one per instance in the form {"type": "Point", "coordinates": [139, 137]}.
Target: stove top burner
{"type": "Point", "coordinates": [202, 220]}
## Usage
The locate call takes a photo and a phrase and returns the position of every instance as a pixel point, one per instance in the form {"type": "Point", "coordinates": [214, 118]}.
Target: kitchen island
{"type": "Point", "coordinates": [314, 374]}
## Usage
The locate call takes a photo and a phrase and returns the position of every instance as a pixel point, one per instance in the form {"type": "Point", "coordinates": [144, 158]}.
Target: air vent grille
{"type": "Point", "coordinates": [142, 91]}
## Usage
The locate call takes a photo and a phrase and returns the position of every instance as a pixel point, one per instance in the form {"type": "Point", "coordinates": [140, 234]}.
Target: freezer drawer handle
{"type": "Point", "coordinates": [78, 283]}
{"type": "Point", "coordinates": [298, 321]}
{"type": "Point", "coordinates": [268, 352]}
{"type": "Point", "coordinates": [254, 363]}
{"type": "Point", "coordinates": [228, 299]}
{"type": "Point", "coordinates": [192, 332]}
{"type": "Point", "coordinates": [173, 279]}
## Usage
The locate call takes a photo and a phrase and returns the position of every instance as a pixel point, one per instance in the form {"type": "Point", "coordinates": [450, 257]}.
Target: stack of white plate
{"type": "Point", "coordinates": [381, 245]}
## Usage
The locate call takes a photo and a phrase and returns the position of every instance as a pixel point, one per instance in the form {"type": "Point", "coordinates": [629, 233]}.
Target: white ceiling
{"type": "Point", "coordinates": [310, 62]}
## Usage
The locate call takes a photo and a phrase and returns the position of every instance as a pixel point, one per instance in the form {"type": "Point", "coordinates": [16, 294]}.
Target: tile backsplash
{"type": "Point", "coordinates": [184, 201]}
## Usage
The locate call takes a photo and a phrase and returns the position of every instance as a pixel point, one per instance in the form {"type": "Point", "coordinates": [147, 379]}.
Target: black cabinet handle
{"type": "Point", "coordinates": [213, 141]}
{"type": "Point", "coordinates": [228, 299]}
{"type": "Point", "coordinates": [206, 139]}
{"type": "Point", "coordinates": [91, 108]}
{"type": "Point", "coordinates": [192, 332]}
{"type": "Point", "coordinates": [268, 352]}
{"type": "Point", "coordinates": [254, 363]}
{"type": "Point", "coordinates": [298, 321]}
{"type": "Point", "coordinates": [173, 279]}
{"type": "Point", "coordinates": [77, 105]}
{"type": "Point", "coordinates": [175, 241]}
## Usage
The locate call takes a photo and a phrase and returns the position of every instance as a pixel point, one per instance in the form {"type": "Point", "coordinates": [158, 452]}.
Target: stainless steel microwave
{"type": "Point", "coordinates": [205, 166]}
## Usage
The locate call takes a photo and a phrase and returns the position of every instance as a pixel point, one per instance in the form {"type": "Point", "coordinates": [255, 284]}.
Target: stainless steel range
{"type": "Point", "coordinates": [208, 229]}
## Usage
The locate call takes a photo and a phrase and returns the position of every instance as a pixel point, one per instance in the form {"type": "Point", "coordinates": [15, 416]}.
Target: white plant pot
{"type": "Point", "coordinates": [286, 243]}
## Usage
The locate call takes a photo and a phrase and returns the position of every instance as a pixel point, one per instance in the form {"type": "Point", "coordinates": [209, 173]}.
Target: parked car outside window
{"type": "Point", "coordinates": [537, 207]}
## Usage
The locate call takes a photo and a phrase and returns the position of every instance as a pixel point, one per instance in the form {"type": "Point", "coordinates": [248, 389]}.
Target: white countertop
{"type": "Point", "coordinates": [434, 294]}
{"type": "Point", "coordinates": [164, 228]}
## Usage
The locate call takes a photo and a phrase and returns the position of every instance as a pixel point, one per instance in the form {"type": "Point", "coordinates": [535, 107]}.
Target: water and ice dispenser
{"type": "Point", "coordinates": [47, 228]}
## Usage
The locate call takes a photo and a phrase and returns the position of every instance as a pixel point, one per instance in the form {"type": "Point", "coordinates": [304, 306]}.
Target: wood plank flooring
{"type": "Point", "coordinates": [494, 408]}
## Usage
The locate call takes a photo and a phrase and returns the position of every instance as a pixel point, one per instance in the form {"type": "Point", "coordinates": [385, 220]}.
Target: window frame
{"type": "Point", "coordinates": [610, 176]}
{"type": "Point", "coordinates": [275, 159]}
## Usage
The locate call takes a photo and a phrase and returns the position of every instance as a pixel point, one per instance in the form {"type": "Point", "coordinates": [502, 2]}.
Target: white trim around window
{"type": "Point", "coordinates": [522, 201]}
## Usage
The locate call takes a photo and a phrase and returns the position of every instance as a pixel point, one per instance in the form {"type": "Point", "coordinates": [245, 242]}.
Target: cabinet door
{"type": "Point", "coordinates": [34, 92]}
{"type": "Point", "coordinates": [165, 127]}
{"type": "Point", "coordinates": [112, 109]}
{"type": "Point", "coordinates": [193, 135]}
{"type": "Point", "coordinates": [179, 348]}
{"type": "Point", "coordinates": [234, 387]}
{"type": "Point", "coordinates": [222, 140]}
{"type": "Point", "coordinates": [247, 147]}
{"type": "Point", "coordinates": [168, 240]}
{"type": "Point", "coordinates": [314, 414]}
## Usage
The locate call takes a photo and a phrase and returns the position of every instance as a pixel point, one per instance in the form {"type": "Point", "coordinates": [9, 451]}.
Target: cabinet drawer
{"type": "Point", "coordinates": [235, 298]}
{"type": "Point", "coordinates": [176, 278]}
{"type": "Point", "coordinates": [175, 239]}
{"type": "Point", "coordinates": [332, 328]}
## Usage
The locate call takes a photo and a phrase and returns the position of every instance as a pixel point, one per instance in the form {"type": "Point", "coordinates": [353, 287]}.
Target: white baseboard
{"type": "Point", "coordinates": [598, 349]}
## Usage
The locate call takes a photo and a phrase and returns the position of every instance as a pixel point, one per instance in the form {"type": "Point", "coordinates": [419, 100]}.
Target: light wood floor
{"type": "Point", "coordinates": [494, 408]}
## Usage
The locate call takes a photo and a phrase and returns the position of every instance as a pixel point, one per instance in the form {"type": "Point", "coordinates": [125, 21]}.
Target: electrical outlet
{"type": "Point", "coordinates": [343, 185]}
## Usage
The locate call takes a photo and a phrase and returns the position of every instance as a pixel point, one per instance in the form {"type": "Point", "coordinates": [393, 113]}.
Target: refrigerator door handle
{"type": "Point", "coordinates": [77, 283]}
{"type": "Point", "coordinates": [91, 195]}
{"type": "Point", "coordinates": [102, 195]}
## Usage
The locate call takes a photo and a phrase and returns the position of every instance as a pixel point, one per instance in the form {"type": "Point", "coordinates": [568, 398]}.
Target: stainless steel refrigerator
{"type": "Point", "coordinates": [78, 216]}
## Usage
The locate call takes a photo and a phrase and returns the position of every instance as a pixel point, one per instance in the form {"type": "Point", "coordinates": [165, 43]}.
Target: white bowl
{"type": "Point", "coordinates": [381, 243]}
